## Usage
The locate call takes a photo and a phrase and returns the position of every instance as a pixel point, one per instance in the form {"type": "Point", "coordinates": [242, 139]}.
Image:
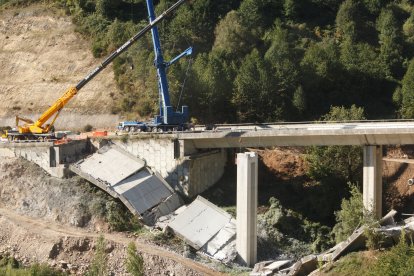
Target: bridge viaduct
{"type": "Point", "coordinates": [371, 135]}
{"type": "Point", "coordinates": [193, 161]}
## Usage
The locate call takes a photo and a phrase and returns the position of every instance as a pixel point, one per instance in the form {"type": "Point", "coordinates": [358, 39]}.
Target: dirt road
{"type": "Point", "coordinates": [52, 231]}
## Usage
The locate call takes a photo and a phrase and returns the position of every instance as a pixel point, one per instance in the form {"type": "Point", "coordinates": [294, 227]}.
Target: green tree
{"type": "Point", "coordinates": [408, 28]}
{"type": "Point", "coordinates": [374, 6]}
{"type": "Point", "coordinates": [351, 215]}
{"type": "Point", "coordinates": [134, 262]}
{"type": "Point", "coordinates": [212, 85]}
{"type": "Point", "coordinates": [348, 19]}
{"type": "Point", "coordinates": [100, 260]}
{"type": "Point", "coordinates": [107, 8]}
{"type": "Point", "coordinates": [195, 23]}
{"type": "Point", "coordinates": [407, 93]}
{"type": "Point", "coordinates": [258, 15]}
{"type": "Point", "coordinates": [299, 100]}
{"type": "Point", "coordinates": [232, 37]}
{"type": "Point", "coordinates": [344, 162]}
{"type": "Point", "coordinates": [284, 71]}
{"type": "Point", "coordinates": [391, 43]}
{"type": "Point", "coordinates": [322, 77]}
{"type": "Point", "coordinates": [254, 96]}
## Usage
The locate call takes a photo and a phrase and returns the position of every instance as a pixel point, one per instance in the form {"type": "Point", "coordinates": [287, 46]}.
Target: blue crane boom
{"type": "Point", "coordinates": [167, 119]}
{"type": "Point", "coordinates": [167, 116]}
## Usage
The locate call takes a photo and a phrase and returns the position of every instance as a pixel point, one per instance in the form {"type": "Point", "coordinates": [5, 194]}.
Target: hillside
{"type": "Point", "coordinates": [57, 221]}
{"type": "Point", "coordinates": [41, 56]}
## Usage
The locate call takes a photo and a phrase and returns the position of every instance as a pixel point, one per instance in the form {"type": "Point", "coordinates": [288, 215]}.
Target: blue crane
{"type": "Point", "coordinates": [167, 115]}
{"type": "Point", "coordinates": [168, 119]}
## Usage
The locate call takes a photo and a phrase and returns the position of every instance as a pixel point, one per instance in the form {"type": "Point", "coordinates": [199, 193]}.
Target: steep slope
{"type": "Point", "coordinates": [41, 56]}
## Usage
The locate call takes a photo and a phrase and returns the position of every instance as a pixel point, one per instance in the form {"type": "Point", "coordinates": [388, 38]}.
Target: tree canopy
{"type": "Point", "coordinates": [260, 60]}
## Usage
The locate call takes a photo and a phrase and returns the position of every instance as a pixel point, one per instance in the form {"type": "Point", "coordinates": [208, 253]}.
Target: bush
{"type": "Point", "coordinates": [124, 139]}
{"type": "Point", "coordinates": [288, 229]}
{"type": "Point", "coordinates": [350, 216]}
{"type": "Point", "coordinates": [398, 261]}
{"type": "Point", "coordinates": [134, 262]}
{"type": "Point", "coordinates": [119, 218]}
{"type": "Point", "coordinates": [99, 263]}
{"type": "Point", "coordinates": [9, 266]}
{"type": "Point", "coordinates": [87, 128]}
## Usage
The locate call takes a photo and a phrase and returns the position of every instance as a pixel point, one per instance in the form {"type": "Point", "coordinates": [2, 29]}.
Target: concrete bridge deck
{"type": "Point", "coordinates": [312, 134]}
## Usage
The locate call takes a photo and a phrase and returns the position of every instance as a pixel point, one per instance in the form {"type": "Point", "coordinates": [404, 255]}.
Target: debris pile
{"type": "Point", "coordinates": [389, 230]}
{"type": "Point", "coordinates": [202, 225]}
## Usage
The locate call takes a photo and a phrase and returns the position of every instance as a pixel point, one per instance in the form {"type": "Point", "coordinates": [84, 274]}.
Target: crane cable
{"type": "Point", "coordinates": [185, 79]}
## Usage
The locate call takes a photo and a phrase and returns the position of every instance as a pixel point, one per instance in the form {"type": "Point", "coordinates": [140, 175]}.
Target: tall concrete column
{"type": "Point", "coordinates": [246, 239]}
{"type": "Point", "coordinates": [372, 186]}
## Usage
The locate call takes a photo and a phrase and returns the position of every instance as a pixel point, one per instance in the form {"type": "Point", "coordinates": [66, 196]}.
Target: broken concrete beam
{"type": "Point", "coordinates": [278, 265]}
{"type": "Point", "coordinates": [388, 219]}
{"type": "Point", "coordinates": [304, 266]}
{"type": "Point", "coordinates": [355, 242]}
{"type": "Point", "coordinates": [393, 233]}
{"type": "Point", "coordinates": [218, 241]}
{"type": "Point", "coordinates": [409, 220]}
{"type": "Point", "coordinates": [327, 255]}
{"type": "Point", "coordinates": [74, 168]}
{"type": "Point", "coordinates": [259, 268]}
{"type": "Point", "coordinates": [228, 252]}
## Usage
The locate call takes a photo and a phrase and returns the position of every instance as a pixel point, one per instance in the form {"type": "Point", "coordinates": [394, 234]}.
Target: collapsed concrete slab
{"type": "Point", "coordinates": [207, 228]}
{"type": "Point", "coordinates": [355, 242]}
{"type": "Point", "coordinates": [269, 267]}
{"type": "Point", "coordinates": [202, 225]}
{"type": "Point", "coordinates": [199, 222]}
{"type": "Point", "coordinates": [126, 177]}
{"type": "Point", "coordinates": [111, 164]}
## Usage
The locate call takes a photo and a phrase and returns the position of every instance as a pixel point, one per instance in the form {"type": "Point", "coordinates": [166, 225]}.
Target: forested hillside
{"type": "Point", "coordinates": [261, 60]}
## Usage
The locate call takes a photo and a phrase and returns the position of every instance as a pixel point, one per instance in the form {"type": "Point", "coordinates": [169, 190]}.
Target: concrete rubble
{"type": "Point", "coordinates": [308, 265]}
{"type": "Point", "coordinates": [201, 224]}
{"type": "Point", "coordinates": [269, 267]}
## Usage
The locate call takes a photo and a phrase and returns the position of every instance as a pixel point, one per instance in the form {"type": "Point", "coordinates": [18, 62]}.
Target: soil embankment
{"type": "Point", "coordinates": [41, 56]}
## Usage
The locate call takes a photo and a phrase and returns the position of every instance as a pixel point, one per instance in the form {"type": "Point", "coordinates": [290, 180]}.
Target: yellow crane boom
{"type": "Point", "coordinates": [39, 128]}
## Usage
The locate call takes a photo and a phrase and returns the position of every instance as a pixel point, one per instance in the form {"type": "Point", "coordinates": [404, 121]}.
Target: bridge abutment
{"type": "Point", "coordinates": [189, 170]}
{"type": "Point", "coordinates": [372, 180]}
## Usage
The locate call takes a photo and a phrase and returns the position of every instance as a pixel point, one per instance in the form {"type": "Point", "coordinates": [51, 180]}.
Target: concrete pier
{"type": "Point", "coordinates": [246, 239]}
{"type": "Point", "coordinates": [372, 181]}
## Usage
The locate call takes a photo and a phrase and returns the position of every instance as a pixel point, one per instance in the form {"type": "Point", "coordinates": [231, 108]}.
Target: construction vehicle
{"type": "Point", "coordinates": [41, 129]}
{"type": "Point", "coordinates": [168, 119]}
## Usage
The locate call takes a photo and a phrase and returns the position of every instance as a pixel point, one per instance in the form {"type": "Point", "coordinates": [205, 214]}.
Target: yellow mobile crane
{"type": "Point", "coordinates": [39, 130]}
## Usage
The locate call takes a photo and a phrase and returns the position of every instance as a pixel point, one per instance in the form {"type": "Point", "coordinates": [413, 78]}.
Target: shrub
{"type": "Point", "coordinates": [350, 216]}
{"type": "Point", "coordinates": [398, 261]}
{"type": "Point", "coordinates": [119, 218]}
{"type": "Point", "coordinates": [134, 262]}
{"type": "Point", "coordinates": [99, 263]}
{"type": "Point", "coordinates": [375, 239]}
{"type": "Point", "coordinates": [87, 128]}
{"type": "Point", "coordinates": [124, 139]}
